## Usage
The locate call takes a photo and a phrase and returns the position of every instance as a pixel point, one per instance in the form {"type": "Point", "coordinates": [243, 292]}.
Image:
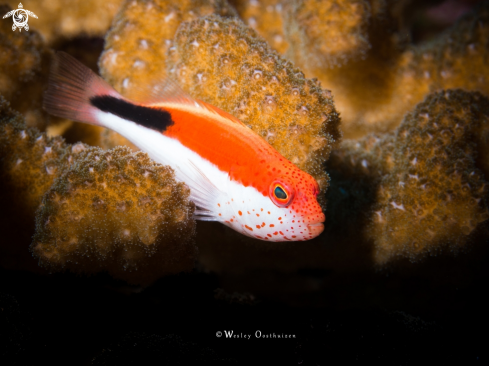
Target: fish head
{"type": "Point", "coordinates": [287, 211]}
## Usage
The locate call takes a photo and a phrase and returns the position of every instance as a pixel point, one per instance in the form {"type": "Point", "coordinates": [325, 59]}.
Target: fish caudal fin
{"type": "Point", "coordinates": [70, 87]}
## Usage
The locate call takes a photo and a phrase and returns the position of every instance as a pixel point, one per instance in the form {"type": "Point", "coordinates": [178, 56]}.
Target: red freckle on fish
{"type": "Point", "coordinates": [219, 214]}
{"type": "Point", "coordinates": [272, 225]}
{"type": "Point", "coordinates": [293, 220]}
{"type": "Point", "coordinates": [219, 204]}
{"type": "Point", "coordinates": [262, 224]}
{"type": "Point", "coordinates": [281, 233]}
{"type": "Point", "coordinates": [240, 213]}
{"type": "Point", "coordinates": [258, 226]}
{"type": "Point", "coordinates": [261, 209]}
{"type": "Point", "coordinates": [294, 236]}
{"type": "Point", "coordinates": [269, 212]}
{"type": "Point", "coordinates": [275, 233]}
{"type": "Point", "coordinates": [232, 220]}
{"type": "Point", "coordinates": [281, 222]}
{"type": "Point", "coordinates": [249, 228]}
{"type": "Point", "coordinates": [257, 214]}
{"type": "Point", "coordinates": [266, 238]}
{"type": "Point", "coordinates": [248, 212]}
{"type": "Point", "coordinates": [258, 236]}
{"type": "Point", "coordinates": [280, 218]}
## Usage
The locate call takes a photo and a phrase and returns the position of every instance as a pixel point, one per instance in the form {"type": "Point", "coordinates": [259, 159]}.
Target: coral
{"type": "Point", "coordinates": [326, 35]}
{"type": "Point", "coordinates": [98, 210]}
{"type": "Point", "coordinates": [141, 34]}
{"type": "Point", "coordinates": [57, 19]}
{"type": "Point", "coordinates": [375, 64]}
{"type": "Point", "coordinates": [444, 63]}
{"type": "Point", "coordinates": [119, 212]}
{"type": "Point", "coordinates": [225, 63]}
{"type": "Point", "coordinates": [29, 164]}
{"type": "Point", "coordinates": [24, 65]}
{"type": "Point", "coordinates": [431, 191]}
{"type": "Point", "coordinates": [265, 17]}
{"type": "Point", "coordinates": [31, 161]}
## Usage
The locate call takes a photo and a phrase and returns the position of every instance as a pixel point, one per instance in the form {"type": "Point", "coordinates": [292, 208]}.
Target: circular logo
{"type": "Point", "coordinates": [219, 334]}
{"type": "Point", "coordinates": [20, 17]}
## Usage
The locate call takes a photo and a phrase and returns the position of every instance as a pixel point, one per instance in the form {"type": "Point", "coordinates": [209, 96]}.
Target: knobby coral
{"type": "Point", "coordinates": [431, 189]}
{"type": "Point", "coordinates": [114, 211]}
{"type": "Point", "coordinates": [58, 19]}
{"type": "Point", "coordinates": [119, 212]}
{"type": "Point", "coordinates": [24, 66]}
{"type": "Point", "coordinates": [265, 17]}
{"type": "Point", "coordinates": [140, 36]}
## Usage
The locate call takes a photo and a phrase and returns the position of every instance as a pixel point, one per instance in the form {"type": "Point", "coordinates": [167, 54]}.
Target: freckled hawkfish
{"type": "Point", "coordinates": [235, 176]}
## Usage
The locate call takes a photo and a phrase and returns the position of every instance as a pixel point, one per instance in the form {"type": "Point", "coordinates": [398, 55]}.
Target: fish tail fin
{"type": "Point", "coordinates": [70, 87]}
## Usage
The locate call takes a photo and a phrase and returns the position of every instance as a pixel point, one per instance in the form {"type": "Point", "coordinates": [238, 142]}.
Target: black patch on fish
{"type": "Point", "coordinates": [154, 118]}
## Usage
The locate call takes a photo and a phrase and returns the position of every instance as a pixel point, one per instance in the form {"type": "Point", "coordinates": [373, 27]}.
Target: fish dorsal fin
{"type": "Point", "coordinates": [170, 92]}
{"type": "Point", "coordinates": [220, 112]}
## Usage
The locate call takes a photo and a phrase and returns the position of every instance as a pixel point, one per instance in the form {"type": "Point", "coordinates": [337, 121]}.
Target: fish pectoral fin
{"type": "Point", "coordinates": [203, 193]}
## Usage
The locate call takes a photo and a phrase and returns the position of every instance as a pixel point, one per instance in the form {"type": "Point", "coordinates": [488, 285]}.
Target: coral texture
{"type": "Point", "coordinates": [327, 34]}
{"type": "Point", "coordinates": [431, 190]}
{"type": "Point", "coordinates": [98, 210]}
{"type": "Point", "coordinates": [367, 86]}
{"type": "Point", "coordinates": [119, 212]}
{"type": "Point", "coordinates": [31, 161]}
{"type": "Point", "coordinates": [141, 34]}
{"type": "Point", "coordinates": [225, 63]}
{"type": "Point", "coordinates": [58, 19]}
{"type": "Point", "coordinates": [265, 16]}
{"type": "Point", "coordinates": [24, 65]}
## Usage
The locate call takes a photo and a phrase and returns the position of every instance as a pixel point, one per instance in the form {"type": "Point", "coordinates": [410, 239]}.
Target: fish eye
{"type": "Point", "coordinates": [281, 193]}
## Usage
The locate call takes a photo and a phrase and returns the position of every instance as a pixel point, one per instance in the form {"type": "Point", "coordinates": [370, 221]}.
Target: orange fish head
{"type": "Point", "coordinates": [297, 197]}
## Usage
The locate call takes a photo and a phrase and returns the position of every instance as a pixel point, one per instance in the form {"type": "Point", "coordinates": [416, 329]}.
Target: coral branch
{"type": "Point", "coordinates": [24, 66]}
{"type": "Point", "coordinates": [135, 48]}
{"type": "Point", "coordinates": [58, 19]}
{"type": "Point", "coordinates": [431, 192]}
{"type": "Point", "coordinates": [119, 212]}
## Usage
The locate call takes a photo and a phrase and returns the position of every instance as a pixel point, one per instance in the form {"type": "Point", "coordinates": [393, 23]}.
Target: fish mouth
{"type": "Point", "coordinates": [316, 228]}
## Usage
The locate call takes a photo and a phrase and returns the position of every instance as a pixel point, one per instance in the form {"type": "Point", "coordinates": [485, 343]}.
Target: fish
{"type": "Point", "coordinates": [235, 176]}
